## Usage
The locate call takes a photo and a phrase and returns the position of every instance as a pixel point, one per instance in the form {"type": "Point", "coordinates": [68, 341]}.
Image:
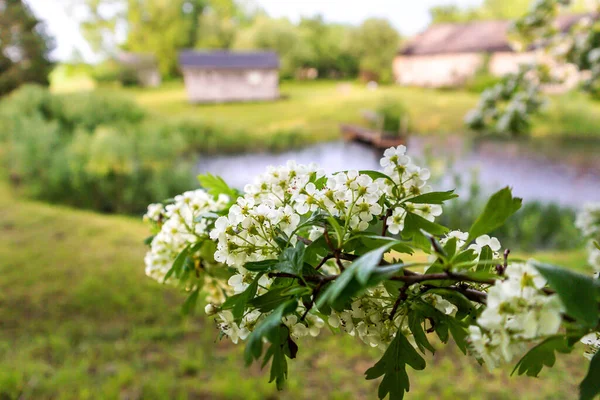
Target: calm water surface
{"type": "Point", "coordinates": [570, 179]}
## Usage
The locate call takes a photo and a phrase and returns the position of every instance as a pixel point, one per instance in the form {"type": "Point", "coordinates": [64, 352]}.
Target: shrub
{"type": "Point", "coordinates": [481, 81]}
{"type": "Point", "coordinates": [90, 151]}
{"type": "Point", "coordinates": [535, 226]}
{"type": "Point", "coordinates": [393, 116]}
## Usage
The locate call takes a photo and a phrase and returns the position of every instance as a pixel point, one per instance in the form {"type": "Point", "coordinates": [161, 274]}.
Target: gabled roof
{"type": "Point", "coordinates": [229, 59]}
{"type": "Point", "coordinates": [479, 36]}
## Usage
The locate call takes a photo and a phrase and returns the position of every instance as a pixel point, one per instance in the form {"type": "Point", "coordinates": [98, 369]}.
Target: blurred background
{"type": "Point", "coordinates": [109, 105]}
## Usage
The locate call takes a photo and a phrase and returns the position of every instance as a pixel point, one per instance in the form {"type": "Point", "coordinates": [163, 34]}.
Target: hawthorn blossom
{"type": "Point", "coordinates": [517, 311]}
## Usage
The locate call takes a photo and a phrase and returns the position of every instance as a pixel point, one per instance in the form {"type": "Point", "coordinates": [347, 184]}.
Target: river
{"type": "Point", "coordinates": [570, 178]}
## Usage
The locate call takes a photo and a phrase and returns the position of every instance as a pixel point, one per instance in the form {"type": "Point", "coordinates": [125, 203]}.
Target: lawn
{"type": "Point", "coordinates": [317, 108]}
{"type": "Point", "coordinates": [78, 320]}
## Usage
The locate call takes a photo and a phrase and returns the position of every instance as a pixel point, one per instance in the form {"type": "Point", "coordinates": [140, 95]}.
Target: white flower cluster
{"type": "Point", "coordinates": [282, 197]}
{"type": "Point", "coordinates": [249, 231]}
{"type": "Point", "coordinates": [480, 243]}
{"type": "Point", "coordinates": [517, 312]}
{"type": "Point", "coordinates": [588, 221]}
{"type": "Point", "coordinates": [592, 342]}
{"type": "Point", "coordinates": [179, 225]}
{"type": "Point", "coordinates": [273, 208]}
{"type": "Point", "coordinates": [408, 180]}
{"type": "Point", "coordinates": [369, 316]}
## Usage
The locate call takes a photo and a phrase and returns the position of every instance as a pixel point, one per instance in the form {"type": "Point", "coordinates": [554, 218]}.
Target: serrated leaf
{"type": "Point", "coordinates": [261, 266]}
{"type": "Point", "coordinates": [590, 386]}
{"type": "Point", "coordinates": [392, 366]}
{"type": "Point", "coordinates": [271, 300]}
{"type": "Point", "coordinates": [577, 292]}
{"type": "Point", "coordinates": [337, 229]}
{"type": "Point", "coordinates": [237, 303]}
{"type": "Point", "coordinates": [148, 240]}
{"type": "Point", "coordinates": [189, 306]}
{"type": "Point", "coordinates": [268, 329]}
{"type": "Point", "coordinates": [178, 263]}
{"type": "Point", "coordinates": [375, 175]}
{"type": "Point", "coordinates": [485, 257]}
{"type": "Point", "coordinates": [373, 241]}
{"type": "Point", "coordinates": [497, 210]}
{"type": "Point", "coordinates": [413, 224]}
{"type": "Point", "coordinates": [292, 260]}
{"type": "Point", "coordinates": [215, 185]}
{"type": "Point", "coordinates": [354, 278]}
{"type": "Point", "coordinates": [433, 197]}
{"type": "Point", "coordinates": [541, 356]}
{"type": "Point", "coordinates": [416, 327]}
{"type": "Point", "coordinates": [365, 264]}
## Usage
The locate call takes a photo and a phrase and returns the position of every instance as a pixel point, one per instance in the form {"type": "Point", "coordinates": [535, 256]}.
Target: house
{"type": "Point", "coordinates": [223, 76]}
{"type": "Point", "coordinates": [141, 68]}
{"type": "Point", "coordinates": [447, 55]}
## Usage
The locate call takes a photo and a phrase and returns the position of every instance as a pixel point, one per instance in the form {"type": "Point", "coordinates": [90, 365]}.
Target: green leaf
{"type": "Point", "coordinates": [148, 240]}
{"type": "Point", "coordinates": [215, 185]}
{"type": "Point", "coordinates": [485, 257]}
{"type": "Point", "coordinates": [292, 260]}
{"type": "Point", "coordinates": [354, 278]}
{"type": "Point", "coordinates": [375, 175]}
{"type": "Point", "coordinates": [178, 263]}
{"type": "Point", "coordinates": [189, 306]}
{"type": "Point", "coordinates": [372, 241]}
{"type": "Point", "coordinates": [541, 355]}
{"type": "Point", "coordinates": [597, 244]}
{"type": "Point", "coordinates": [315, 251]}
{"type": "Point", "coordinates": [272, 299]}
{"type": "Point", "coordinates": [413, 224]}
{"type": "Point", "coordinates": [338, 230]}
{"type": "Point", "coordinates": [365, 264]}
{"type": "Point", "coordinates": [392, 366]}
{"type": "Point", "coordinates": [590, 386]}
{"type": "Point", "coordinates": [433, 197]}
{"type": "Point", "coordinates": [237, 303]}
{"type": "Point", "coordinates": [416, 327]}
{"type": "Point", "coordinates": [577, 292]}
{"type": "Point", "coordinates": [261, 266]}
{"type": "Point", "coordinates": [497, 210]}
{"type": "Point", "coordinates": [282, 346]}
{"type": "Point", "coordinates": [268, 329]}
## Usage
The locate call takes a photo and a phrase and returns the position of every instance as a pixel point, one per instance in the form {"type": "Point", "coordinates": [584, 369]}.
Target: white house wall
{"type": "Point", "coordinates": [222, 85]}
{"type": "Point", "coordinates": [444, 70]}
{"type": "Point", "coordinates": [436, 70]}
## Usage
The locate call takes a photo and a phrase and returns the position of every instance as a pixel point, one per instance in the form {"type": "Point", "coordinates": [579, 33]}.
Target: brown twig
{"type": "Point", "coordinates": [385, 227]}
{"type": "Point", "coordinates": [401, 297]}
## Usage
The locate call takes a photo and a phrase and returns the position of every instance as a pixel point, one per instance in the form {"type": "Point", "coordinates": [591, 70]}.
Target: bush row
{"type": "Point", "coordinates": [101, 151]}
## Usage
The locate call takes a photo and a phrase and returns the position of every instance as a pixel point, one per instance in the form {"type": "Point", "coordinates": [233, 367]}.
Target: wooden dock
{"type": "Point", "coordinates": [371, 137]}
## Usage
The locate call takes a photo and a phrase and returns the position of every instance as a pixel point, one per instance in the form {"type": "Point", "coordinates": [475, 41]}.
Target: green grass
{"type": "Point", "coordinates": [317, 108]}
{"type": "Point", "coordinates": [79, 320]}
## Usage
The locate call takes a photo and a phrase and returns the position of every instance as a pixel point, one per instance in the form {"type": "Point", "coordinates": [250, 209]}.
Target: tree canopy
{"type": "Point", "coordinates": [24, 47]}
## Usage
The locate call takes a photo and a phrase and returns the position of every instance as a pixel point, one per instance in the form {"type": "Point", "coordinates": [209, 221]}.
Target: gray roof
{"type": "Point", "coordinates": [477, 36]}
{"type": "Point", "coordinates": [229, 60]}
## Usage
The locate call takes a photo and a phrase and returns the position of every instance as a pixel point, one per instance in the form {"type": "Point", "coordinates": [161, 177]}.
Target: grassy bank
{"type": "Point", "coordinates": [317, 108]}
{"type": "Point", "coordinates": [78, 320]}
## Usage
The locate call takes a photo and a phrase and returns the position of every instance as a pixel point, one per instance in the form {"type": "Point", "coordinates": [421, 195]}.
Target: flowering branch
{"type": "Point", "coordinates": [254, 255]}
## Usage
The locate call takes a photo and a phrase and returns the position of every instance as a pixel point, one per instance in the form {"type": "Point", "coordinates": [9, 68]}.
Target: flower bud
{"type": "Point", "coordinates": [210, 309]}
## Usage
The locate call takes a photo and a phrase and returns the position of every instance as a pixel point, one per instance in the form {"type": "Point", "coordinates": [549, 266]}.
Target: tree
{"type": "Point", "coordinates": [375, 43]}
{"type": "Point", "coordinates": [329, 53]}
{"type": "Point", "coordinates": [450, 13]}
{"type": "Point", "coordinates": [24, 47]}
{"type": "Point", "coordinates": [279, 35]}
{"type": "Point", "coordinates": [162, 27]}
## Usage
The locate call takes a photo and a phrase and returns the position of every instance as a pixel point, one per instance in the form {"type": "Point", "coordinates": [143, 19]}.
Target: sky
{"type": "Point", "coordinates": [408, 16]}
